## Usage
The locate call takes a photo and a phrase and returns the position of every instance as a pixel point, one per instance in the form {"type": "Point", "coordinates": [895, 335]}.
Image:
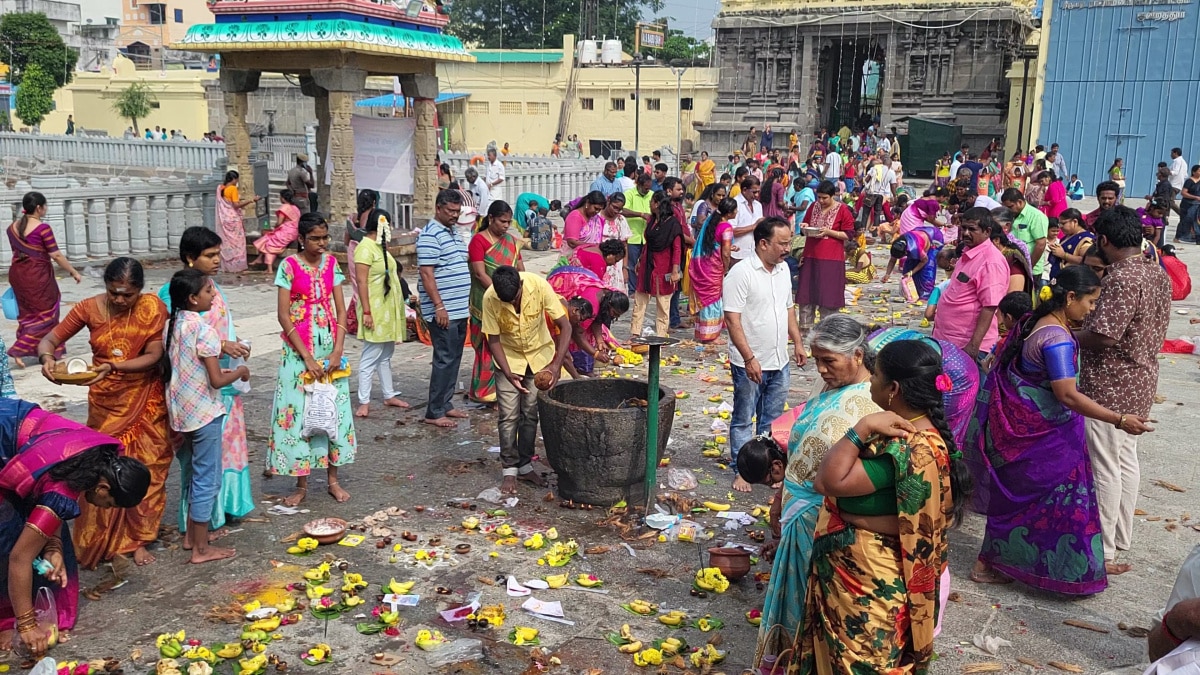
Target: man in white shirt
{"type": "Point", "coordinates": [1060, 164]}
{"type": "Point", "coordinates": [749, 214]}
{"type": "Point", "coordinates": [478, 189]}
{"type": "Point", "coordinates": [880, 186]}
{"type": "Point", "coordinates": [757, 296]}
{"type": "Point", "coordinates": [884, 147]}
{"type": "Point", "coordinates": [833, 166]}
{"type": "Point", "coordinates": [1179, 169]}
{"type": "Point", "coordinates": [495, 176]}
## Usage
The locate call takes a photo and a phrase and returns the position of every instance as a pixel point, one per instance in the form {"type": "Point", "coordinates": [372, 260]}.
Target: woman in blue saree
{"type": "Point", "coordinates": [1028, 454]}
{"type": "Point", "coordinates": [46, 464]}
{"type": "Point", "coordinates": [840, 351]}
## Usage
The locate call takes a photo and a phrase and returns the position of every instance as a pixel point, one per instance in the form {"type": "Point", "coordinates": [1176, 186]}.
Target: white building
{"type": "Point", "coordinates": [92, 31]}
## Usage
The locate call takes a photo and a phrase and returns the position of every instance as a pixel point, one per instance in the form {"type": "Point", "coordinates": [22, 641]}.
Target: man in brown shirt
{"type": "Point", "coordinates": [1119, 344]}
{"type": "Point", "coordinates": [300, 181]}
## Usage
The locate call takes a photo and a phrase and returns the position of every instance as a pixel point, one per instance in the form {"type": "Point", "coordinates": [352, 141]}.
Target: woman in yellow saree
{"type": "Point", "coordinates": [706, 173]}
{"type": "Point", "coordinates": [893, 486]}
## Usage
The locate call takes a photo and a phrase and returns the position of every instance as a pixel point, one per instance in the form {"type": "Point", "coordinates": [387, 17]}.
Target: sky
{"type": "Point", "coordinates": [693, 17]}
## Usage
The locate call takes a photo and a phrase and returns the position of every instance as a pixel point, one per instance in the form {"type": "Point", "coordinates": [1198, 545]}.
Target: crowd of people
{"type": "Point", "coordinates": [1044, 335]}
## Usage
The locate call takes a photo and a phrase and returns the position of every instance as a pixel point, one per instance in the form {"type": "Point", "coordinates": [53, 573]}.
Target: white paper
{"type": "Point", "coordinates": [460, 613]}
{"type": "Point", "coordinates": [384, 157]}
{"type": "Point", "coordinates": [720, 425]}
{"type": "Point", "coordinates": [515, 588]}
{"type": "Point", "coordinates": [543, 608]}
{"type": "Point", "coordinates": [398, 601]}
{"type": "Point", "coordinates": [494, 449]}
{"type": "Point", "coordinates": [281, 510]}
{"type": "Point", "coordinates": [538, 584]}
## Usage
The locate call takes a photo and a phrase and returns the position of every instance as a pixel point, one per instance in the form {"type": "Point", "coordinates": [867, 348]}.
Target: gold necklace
{"type": "Point", "coordinates": [914, 419]}
{"type": "Point", "coordinates": [117, 351]}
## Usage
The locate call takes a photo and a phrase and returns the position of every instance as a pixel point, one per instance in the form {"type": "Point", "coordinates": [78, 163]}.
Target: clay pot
{"type": "Point", "coordinates": [734, 563]}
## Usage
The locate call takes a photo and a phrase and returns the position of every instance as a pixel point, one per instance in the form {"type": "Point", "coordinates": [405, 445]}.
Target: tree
{"type": "Point", "coordinates": [540, 24]}
{"type": "Point", "coordinates": [680, 47]}
{"type": "Point", "coordinates": [35, 95]}
{"type": "Point", "coordinates": [134, 103]}
{"type": "Point", "coordinates": [30, 38]}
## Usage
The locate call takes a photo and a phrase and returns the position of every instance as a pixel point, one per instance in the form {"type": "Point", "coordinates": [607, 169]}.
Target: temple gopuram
{"type": "Point", "coordinates": [811, 64]}
{"type": "Point", "coordinates": [331, 47]}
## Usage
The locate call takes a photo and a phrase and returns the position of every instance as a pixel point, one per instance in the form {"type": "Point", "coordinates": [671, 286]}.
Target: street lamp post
{"type": "Point", "coordinates": [678, 73]}
{"type": "Point", "coordinates": [637, 100]}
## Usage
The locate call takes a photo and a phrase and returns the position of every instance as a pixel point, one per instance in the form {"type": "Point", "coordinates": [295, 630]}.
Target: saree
{"type": "Point", "coordinates": [38, 297]}
{"type": "Point", "coordinates": [923, 242]}
{"type": "Point", "coordinates": [1029, 459]}
{"type": "Point", "coordinates": [277, 240]}
{"type": "Point", "coordinates": [130, 407]}
{"type": "Point", "coordinates": [232, 231]}
{"type": "Point", "coordinates": [504, 251]}
{"type": "Point", "coordinates": [706, 174]}
{"type": "Point", "coordinates": [314, 317]}
{"type": "Point", "coordinates": [576, 282]}
{"type": "Point", "coordinates": [825, 418]}
{"type": "Point", "coordinates": [873, 600]}
{"type": "Point", "coordinates": [707, 275]}
{"type": "Point", "coordinates": [235, 497]}
{"type": "Point", "coordinates": [32, 441]}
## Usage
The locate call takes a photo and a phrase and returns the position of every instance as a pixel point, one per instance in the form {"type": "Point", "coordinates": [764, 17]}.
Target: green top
{"type": "Point", "coordinates": [640, 204]}
{"type": "Point", "coordinates": [1029, 226]}
{"type": "Point", "coordinates": [387, 311]}
{"type": "Point", "coordinates": [882, 502]}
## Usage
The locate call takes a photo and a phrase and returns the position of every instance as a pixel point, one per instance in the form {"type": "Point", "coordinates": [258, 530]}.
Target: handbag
{"type": "Point", "coordinates": [9, 302]}
{"type": "Point", "coordinates": [908, 288]}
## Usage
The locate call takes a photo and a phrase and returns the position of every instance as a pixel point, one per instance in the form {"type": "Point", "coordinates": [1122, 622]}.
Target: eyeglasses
{"type": "Point", "coordinates": [318, 240]}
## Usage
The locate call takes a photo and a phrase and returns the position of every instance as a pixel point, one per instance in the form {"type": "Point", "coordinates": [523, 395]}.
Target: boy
{"type": "Point", "coordinates": [945, 261]}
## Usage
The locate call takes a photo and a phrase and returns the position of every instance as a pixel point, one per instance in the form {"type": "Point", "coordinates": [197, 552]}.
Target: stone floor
{"type": "Point", "coordinates": [405, 464]}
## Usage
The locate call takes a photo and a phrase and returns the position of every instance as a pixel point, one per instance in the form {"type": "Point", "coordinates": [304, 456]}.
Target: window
{"type": "Point", "coordinates": [179, 16]}
{"type": "Point", "coordinates": [511, 108]}
{"type": "Point", "coordinates": [155, 105]}
{"type": "Point", "coordinates": [587, 104]}
{"type": "Point", "coordinates": [157, 13]}
{"type": "Point", "coordinates": [685, 104]}
{"type": "Point", "coordinates": [537, 108]}
{"type": "Point", "coordinates": [478, 107]}
{"type": "Point", "coordinates": [618, 104]}
{"type": "Point", "coordinates": [653, 104]}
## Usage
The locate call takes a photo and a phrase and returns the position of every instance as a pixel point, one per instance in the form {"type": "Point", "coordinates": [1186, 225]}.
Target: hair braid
{"type": "Point", "coordinates": [960, 478]}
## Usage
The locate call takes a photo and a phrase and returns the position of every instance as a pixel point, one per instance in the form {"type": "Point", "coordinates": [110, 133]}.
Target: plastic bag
{"type": "Point", "coordinates": [908, 288]}
{"type": "Point", "coordinates": [455, 652]}
{"type": "Point", "coordinates": [45, 667]}
{"type": "Point", "coordinates": [320, 410]}
{"type": "Point", "coordinates": [679, 478]}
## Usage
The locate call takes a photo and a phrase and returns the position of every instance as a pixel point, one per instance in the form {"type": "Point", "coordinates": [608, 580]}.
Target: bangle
{"type": "Point", "coordinates": [290, 331]}
{"type": "Point", "coordinates": [42, 358]}
{"type": "Point", "coordinates": [853, 437]}
{"type": "Point", "coordinates": [1167, 629]}
{"type": "Point", "coordinates": [27, 621]}
{"type": "Point", "coordinates": [1120, 422]}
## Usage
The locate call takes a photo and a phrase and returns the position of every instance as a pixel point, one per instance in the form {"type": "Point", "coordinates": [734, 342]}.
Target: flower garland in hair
{"type": "Point", "coordinates": [944, 383]}
{"type": "Point", "coordinates": [1047, 291]}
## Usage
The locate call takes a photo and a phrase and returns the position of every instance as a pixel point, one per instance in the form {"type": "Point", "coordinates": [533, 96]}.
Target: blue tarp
{"type": "Point", "coordinates": [397, 100]}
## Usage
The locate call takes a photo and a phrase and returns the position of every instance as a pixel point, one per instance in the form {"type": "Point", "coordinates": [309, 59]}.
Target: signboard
{"type": "Point", "coordinates": [384, 158]}
{"type": "Point", "coordinates": [651, 36]}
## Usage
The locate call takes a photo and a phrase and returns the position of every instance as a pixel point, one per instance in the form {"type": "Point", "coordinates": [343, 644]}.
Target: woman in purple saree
{"type": "Point", "coordinates": [46, 464]}
{"type": "Point", "coordinates": [1028, 452]}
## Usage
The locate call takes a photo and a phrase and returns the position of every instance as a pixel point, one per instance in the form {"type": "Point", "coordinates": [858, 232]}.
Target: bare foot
{"type": "Point", "coordinates": [740, 485]}
{"type": "Point", "coordinates": [142, 557]}
{"type": "Point", "coordinates": [1193, 320]}
{"type": "Point", "coordinates": [215, 535]}
{"type": "Point", "coordinates": [339, 495]}
{"type": "Point", "coordinates": [213, 553]}
{"type": "Point", "coordinates": [296, 497]}
{"type": "Point", "coordinates": [363, 410]}
{"type": "Point", "coordinates": [396, 403]}
{"type": "Point", "coordinates": [533, 477]}
{"type": "Point", "coordinates": [983, 573]}
{"type": "Point", "coordinates": [19, 362]}
{"type": "Point", "coordinates": [1114, 568]}
{"type": "Point", "coordinates": [6, 639]}
{"type": "Point", "coordinates": [508, 486]}
{"type": "Point", "coordinates": [457, 414]}
{"type": "Point", "coordinates": [443, 422]}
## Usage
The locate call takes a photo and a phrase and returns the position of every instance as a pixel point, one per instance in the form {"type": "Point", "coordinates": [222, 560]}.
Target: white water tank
{"type": "Point", "coordinates": [588, 52]}
{"type": "Point", "coordinates": [610, 52]}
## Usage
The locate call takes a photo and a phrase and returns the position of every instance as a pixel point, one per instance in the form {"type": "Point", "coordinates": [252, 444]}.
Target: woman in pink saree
{"type": "Point", "coordinates": [229, 223]}
{"type": "Point", "coordinates": [276, 240]}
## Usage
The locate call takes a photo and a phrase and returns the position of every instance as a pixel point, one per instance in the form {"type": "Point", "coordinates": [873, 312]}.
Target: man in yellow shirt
{"type": "Point", "coordinates": [515, 308]}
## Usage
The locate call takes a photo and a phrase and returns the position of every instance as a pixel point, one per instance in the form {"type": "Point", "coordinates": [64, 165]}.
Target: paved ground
{"type": "Point", "coordinates": [404, 464]}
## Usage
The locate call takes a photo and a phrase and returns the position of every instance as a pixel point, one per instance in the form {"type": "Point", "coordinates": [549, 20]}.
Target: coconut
{"type": "Point", "coordinates": [75, 366]}
{"type": "Point", "coordinates": [543, 380]}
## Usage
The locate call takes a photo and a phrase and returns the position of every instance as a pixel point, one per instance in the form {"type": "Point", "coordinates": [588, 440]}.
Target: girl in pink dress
{"type": "Point", "coordinates": [276, 240]}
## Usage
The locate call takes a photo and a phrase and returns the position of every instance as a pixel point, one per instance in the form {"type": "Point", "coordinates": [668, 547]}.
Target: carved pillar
{"type": "Point", "coordinates": [423, 89]}
{"type": "Point", "coordinates": [118, 221]}
{"type": "Point", "coordinates": [175, 220]}
{"type": "Point", "coordinates": [235, 84]}
{"type": "Point", "coordinates": [139, 225]}
{"type": "Point", "coordinates": [343, 85]}
{"type": "Point", "coordinates": [320, 98]}
{"type": "Point", "coordinates": [97, 227]}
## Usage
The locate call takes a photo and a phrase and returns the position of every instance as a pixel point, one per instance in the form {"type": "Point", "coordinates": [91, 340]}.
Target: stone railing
{"type": "Point", "coordinates": [178, 155]}
{"type": "Point", "coordinates": [104, 219]}
{"type": "Point", "coordinates": [551, 177]}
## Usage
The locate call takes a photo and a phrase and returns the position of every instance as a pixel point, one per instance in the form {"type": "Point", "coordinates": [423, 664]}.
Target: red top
{"type": "Point", "coordinates": [841, 219]}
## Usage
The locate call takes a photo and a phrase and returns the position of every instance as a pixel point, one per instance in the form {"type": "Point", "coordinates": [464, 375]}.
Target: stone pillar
{"type": "Point", "coordinates": [139, 226]}
{"type": "Point", "coordinates": [423, 89]}
{"type": "Point", "coordinates": [175, 220]}
{"type": "Point", "coordinates": [119, 225]}
{"type": "Point", "coordinates": [74, 226]}
{"type": "Point", "coordinates": [158, 221]}
{"type": "Point", "coordinates": [343, 85]}
{"type": "Point", "coordinates": [193, 209]}
{"type": "Point", "coordinates": [320, 98]}
{"type": "Point", "coordinates": [235, 84]}
{"type": "Point", "coordinates": [97, 227]}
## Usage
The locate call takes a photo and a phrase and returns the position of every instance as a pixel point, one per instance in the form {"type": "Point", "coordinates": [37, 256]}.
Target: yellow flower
{"type": "Point", "coordinates": [317, 592]}
{"type": "Point", "coordinates": [711, 579]}
{"type": "Point", "coordinates": [522, 635]}
{"type": "Point", "coordinates": [352, 582]}
{"type": "Point", "coordinates": [648, 657]}
{"type": "Point", "coordinates": [353, 601]}
{"type": "Point", "coordinates": [552, 533]}
{"type": "Point", "coordinates": [470, 523]}
{"type": "Point", "coordinates": [504, 530]}
{"type": "Point", "coordinates": [535, 542]}
{"type": "Point", "coordinates": [251, 606]}
{"type": "Point", "coordinates": [307, 544]}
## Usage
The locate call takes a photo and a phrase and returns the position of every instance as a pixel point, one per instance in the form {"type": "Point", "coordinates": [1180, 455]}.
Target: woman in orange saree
{"type": "Point", "coordinates": [126, 401]}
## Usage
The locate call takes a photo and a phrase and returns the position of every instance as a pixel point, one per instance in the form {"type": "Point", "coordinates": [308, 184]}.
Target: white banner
{"type": "Point", "coordinates": [384, 159]}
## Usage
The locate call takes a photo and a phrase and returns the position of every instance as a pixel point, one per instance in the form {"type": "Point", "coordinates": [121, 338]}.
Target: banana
{"type": "Point", "coordinates": [626, 633]}
{"type": "Point", "coordinates": [400, 588]}
{"type": "Point", "coordinates": [266, 625]}
{"type": "Point", "coordinates": [711, 452]}
{"type": "Point", "coordinates": [716, 506]}
{"type": "Point", "coordinates": [673, 618]}
{"type": "Point", "coordinates": [631, 648]}
{"type": "Point", "coordinates": [230, 651]}
{"type": "Point", "coordinates": [642, 607]}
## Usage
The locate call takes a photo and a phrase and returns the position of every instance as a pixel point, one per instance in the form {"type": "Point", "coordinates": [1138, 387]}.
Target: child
{"type": "Point", "coordinates": [946, 258]}
{"type": "Point", "coordinates": [1154, 221]}
{"type": "Point", "coordinates": [857, 253]}
{"type": "Point", "coordinates": [193, 371]}
{"type": "Point", "coordinates": [1011, 308]}
{"type": "Point", "coordinates": [1075, 188]}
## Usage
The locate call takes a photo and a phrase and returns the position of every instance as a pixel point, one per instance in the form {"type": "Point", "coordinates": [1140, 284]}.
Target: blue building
{"type": "Point", "coordinates": [1122, 80]}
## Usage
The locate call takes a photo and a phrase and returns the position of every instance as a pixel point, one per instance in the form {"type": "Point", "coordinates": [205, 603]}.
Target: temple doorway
{"type": "Point", "coordinates": [851, 83]}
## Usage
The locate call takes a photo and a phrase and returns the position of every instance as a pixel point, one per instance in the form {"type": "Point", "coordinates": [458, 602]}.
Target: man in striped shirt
{"type": "Point", "coordinates": [444, 285]}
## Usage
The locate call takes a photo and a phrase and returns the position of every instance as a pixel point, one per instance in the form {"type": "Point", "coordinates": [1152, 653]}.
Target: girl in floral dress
{"type": "Point", "coordinates": [312, 314]}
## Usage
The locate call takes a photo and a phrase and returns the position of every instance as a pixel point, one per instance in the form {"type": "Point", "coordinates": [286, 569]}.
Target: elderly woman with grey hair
{"type": "Point", "coordinates": [842, 355]}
